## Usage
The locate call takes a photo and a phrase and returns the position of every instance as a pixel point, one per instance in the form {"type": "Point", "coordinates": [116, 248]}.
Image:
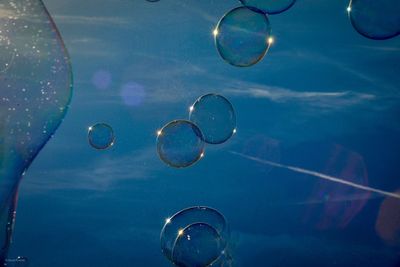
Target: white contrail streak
{"type": "Point", "coordinates": [317, 174]}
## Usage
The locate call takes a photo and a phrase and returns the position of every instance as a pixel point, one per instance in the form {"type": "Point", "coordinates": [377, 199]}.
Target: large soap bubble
{"type": "Point", "coordinates": [36, 87]}
{"type": "Point", "coordinates": [198, 244]}
{"type": "Point", "coordinates": [215, 116]}
{"type": "Point", "coordinates": [101, 136]}
{"type": "Point", "coordinates": [242, 36]}
{"type": "Point", "coordinates": [378, 20]}
{"type": "Point", "coordinates": [180, 143]}
{"type": "Point", "coordinates": [269, 6]}
{"type": "Point", "coordinates": [177, 225]}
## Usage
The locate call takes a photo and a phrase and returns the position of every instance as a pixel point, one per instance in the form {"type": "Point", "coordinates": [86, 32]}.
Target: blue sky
{"type": "Point", "coordinates": [324, 98]}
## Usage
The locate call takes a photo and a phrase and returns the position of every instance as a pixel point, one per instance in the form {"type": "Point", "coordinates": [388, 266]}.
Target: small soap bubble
{"type": "Point", "coordinates": [378, 20]}
{"type": "Point", "coordinates": [101, 136]}
{"type": "Point", "coordinates": [215, 116]}
{"type": "Point", "coordinates": [269, 6]}
{"type": "Point", "coordinates": [242, 36]}
{"type": "Point", "coordinates": [197, 245]}
{"type": "Point", "coordinates": [175, 225]}
{"type": "Point", "coordinates": [180, 143]}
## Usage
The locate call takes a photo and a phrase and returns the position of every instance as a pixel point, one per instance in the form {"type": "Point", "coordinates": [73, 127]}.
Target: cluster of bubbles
{"type": "Point", "coordinates": [36, 81]}
{"type": "Point", "coordinates": [212, 120]}
{"type": "Point", "coordinates": [377, 20]}
{"type": "Point", "coordinates": [101, 136]}
{"type": "Point", "coordinates": [37, 87]}
{"type": "Point", "coordinates": [195, 237]}
{"type": "Point", "coordinates": [243, 35]}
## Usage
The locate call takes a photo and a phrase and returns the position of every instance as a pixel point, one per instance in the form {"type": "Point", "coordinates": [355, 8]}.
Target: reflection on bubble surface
{"type": "Point", "coordinates": [198, 244]}
{"type": "Point", "coordinates": [269, 6]}
{"type": "Point", "coordinates": [215, 116]}
{"type": "Point", "coordinates": [242, 36]}
{"type": "Point", "coordinates": [101, 136]}
{"type": "Point", "coordinates": [378, 20]}
{"type": "Point", "coordinates": [36, 90]}
{"type": "Point", "coordinates": [180, 143]}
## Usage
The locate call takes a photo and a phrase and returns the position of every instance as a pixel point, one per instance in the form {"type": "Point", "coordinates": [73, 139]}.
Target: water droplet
{"type": "Point", "coordinates": [175, 225]}
{"type": "Point", "coordinates": [215, 116]}
{"type": "Point", "coordinates": [27, 104]}
{"type": "Point", "coordinates": [101, 136]}
{"type": "Point", "coordinates": [378, 20]}
{"type": "Point", "coordinates": [269, 6]}
{"type": "Point", "coordinates": [242, 35]}
{"type": "Point", "coordinates": [180, 143]}
{"type": "Point", "coordinates": [198, 244]}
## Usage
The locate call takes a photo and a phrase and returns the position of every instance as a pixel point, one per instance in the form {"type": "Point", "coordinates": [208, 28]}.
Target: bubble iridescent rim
{"type": "Point", "coordinates": [266, 11]}
{"type": "Point", "coordinates": [196, 130]}
{"type": "Point", "coordinates": [355, 27]}
{"type": "Point", "coordinates": [112, 136]}
{"type": "Point", "coordinates": [229, 104]}
{"type": "Point", "coordinates": [222, 20]}
{"type": "Point", "coordinates": [225, 228]}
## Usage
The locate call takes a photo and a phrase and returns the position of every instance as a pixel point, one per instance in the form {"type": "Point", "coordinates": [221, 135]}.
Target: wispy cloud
{"type": "Point", "coordinates": [99, 175]}
{"type": "Point", "coordinates": [334, 99]}
{"type": "Point", "coordinates": [380, 48]}
{"type": "Point", "coordinates": [94, 20]}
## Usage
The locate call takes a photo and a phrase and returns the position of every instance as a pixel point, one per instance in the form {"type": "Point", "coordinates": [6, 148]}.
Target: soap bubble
{"type": "Point", "coordinates": [198, 244]}
{"type": "Point", "coordinates": [36, 89]}
{"type": "Point", "coordinates": [242, 36]}
{"type": "Point", "coordinates": [378, 20]}
{"type": "Point", "coordinates": [199, 214]}
{"type": "Point", "coordinates": [180, 143]}
{"type": "Point", "coordinates": [269, 6]}
{"type": "Point", "coordinates": [101, 136]}
{"type": "Point", "coordinates": [215, 116]}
